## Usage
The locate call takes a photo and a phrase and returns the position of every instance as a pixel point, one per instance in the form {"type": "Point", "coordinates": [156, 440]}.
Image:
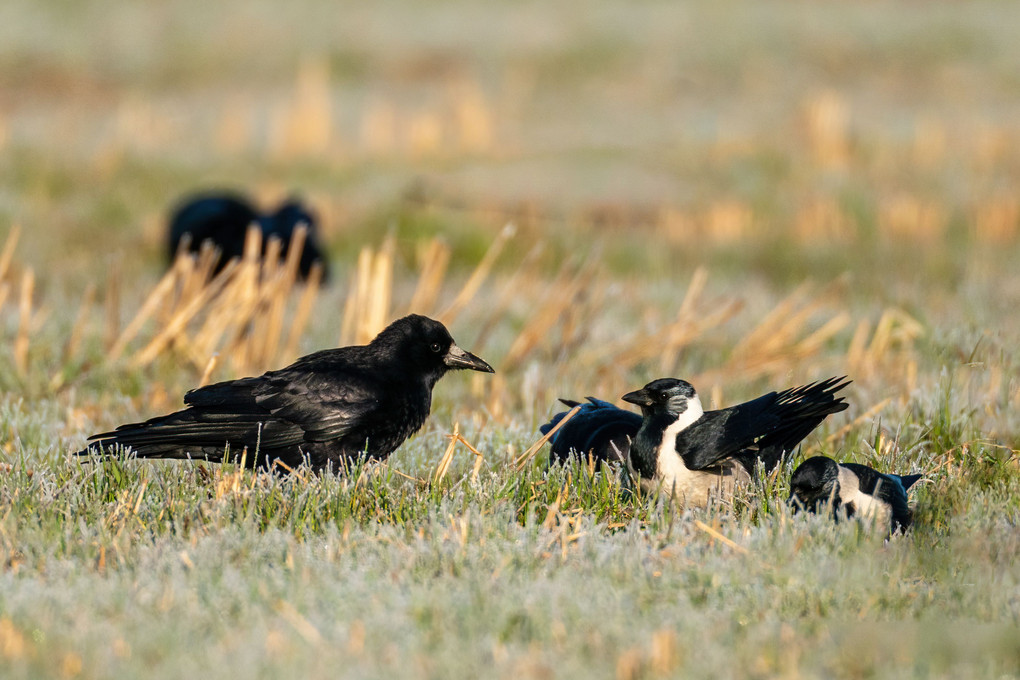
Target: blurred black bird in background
{"type": "Point", "coordinates": [689, 452]}
{"type": "Point", "coordinates": [856, 489]}
{"type": "Point", "coordinates": [599, 430]}
{"type": "Point", "coordinates": [326, 409]}
{"type": "Point", "coordinates": [223, 218]}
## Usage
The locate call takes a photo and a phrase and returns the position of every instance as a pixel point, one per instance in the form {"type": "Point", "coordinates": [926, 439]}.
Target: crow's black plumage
{"type": "Point", "coordinates": [599, 430]}
{"type": "Point", "coordinates": [223, 218]}
{"type": "Point", "coordinates": [325, 409]}
{"type": "Point", "coordinates": [688, 451]}
{"type": "Point", "coordinates": [854, 489]}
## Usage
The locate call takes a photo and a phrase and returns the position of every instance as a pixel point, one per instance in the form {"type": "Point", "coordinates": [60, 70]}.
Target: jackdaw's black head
{"type": "Point", "coordinates": [427, 346]}
{"type": "Point", "coordinates": [665, 395]}
{"type": "Point", "coordinates": [814, 483]}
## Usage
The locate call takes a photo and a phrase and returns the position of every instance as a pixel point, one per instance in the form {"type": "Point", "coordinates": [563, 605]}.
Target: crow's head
{"type": "Point", "coordinates": [814, 483]}
{"type": "Point", "coordinates": [426, 346]}
{"type": "Point", "coordinates": [666, 396]}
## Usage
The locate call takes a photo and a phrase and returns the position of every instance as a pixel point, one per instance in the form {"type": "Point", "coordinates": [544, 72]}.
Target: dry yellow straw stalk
{"type": "Point", "coordinates": [434, 260]}
{"type": "Point", "coordinates": [478, 276]}
{"type": "Point", "coordinates": [7, 254]}
{"type": "Point", "coordinates": [444, 462]}
{"type": "Point", "coordinates": [562, 293]}
{"type": "Point", "coordinates": [367, 309]}
{"type": "Point", "coordinates": [24, 321]}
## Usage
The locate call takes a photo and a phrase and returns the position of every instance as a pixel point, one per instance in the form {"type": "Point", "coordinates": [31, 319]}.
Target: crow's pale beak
{"type": "Point", "coordinates": [458, 358]}
{"type": "Point", "coordinates": [639, 397]}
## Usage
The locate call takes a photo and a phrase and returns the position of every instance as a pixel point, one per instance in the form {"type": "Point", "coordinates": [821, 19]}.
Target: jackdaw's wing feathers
{"type": "Point", "coordinates": [907, 481]}
{"type": "Point", "coordinates": [725, 433]}
{"type": "Point", "coordinates": [886, 488]}
{"type": "Point", "coordinates": [767, 427]}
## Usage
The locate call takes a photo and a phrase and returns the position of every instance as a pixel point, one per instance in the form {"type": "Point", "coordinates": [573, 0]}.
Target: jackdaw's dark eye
{"type": "Point", "coordinates": [435, 347]}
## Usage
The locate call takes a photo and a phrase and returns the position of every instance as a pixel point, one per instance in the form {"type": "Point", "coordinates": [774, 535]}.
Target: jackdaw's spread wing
{"type": "Point", "coordinates": [767, 427]}
{"type": "Point", "coordinates": [725, 433]}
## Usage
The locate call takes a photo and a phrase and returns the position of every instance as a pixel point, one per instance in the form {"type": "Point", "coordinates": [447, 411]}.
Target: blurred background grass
{"type": "Point", "coordinates": [870, 149]}
{"type": "Point", "coordinates": [711, 124]}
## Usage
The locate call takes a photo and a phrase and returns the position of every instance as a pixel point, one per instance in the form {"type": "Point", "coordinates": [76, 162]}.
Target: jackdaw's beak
{"type": "Point", "coordinates": [639, 397]}
{"type": "Point", "coordinates": [458, 358]}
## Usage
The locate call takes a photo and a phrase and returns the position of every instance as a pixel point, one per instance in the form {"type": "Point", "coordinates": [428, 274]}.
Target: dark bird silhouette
{"type": "Point", "coordinates": [599, 429]}
{"type": "Point", "coordinates": [690, 452]}
{"type": "Point", "coordinates": [325, 410]}
{"type": "Point", "coordinates": [224, 218]}
{"type": "Point", "coordinates": [857, 490]}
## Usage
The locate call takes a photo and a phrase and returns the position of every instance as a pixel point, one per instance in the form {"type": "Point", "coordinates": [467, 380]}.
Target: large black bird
{"type": "Point", "coordinates": [223, 218]}
{"type": "Point", "coordinates": [599, 430]}
{"type": "Point", "coordinates": [324, 410]}
{"type": "Point", "coordinates": [856, 489]}
{"type": "Point", "coordinates": [690, 452]}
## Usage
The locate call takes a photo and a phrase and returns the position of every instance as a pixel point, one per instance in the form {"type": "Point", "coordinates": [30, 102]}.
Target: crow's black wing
{"type": "Point", "coordinates": [544, 429]}
{"type": "Point", "coordinates": [599, 428]}
{"type": "Point", "coordinates": [324, 406]}
{"type": "Point", "coordinates": [277, 410]}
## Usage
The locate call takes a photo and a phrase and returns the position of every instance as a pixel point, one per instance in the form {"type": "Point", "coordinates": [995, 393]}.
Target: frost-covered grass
{"type": "Point", "coordinates": [129, 568]}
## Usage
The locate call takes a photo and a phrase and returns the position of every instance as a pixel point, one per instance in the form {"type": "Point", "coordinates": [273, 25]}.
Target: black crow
{"type": "Point", "coordinates": [599, 429]}
{"type": "Point", "coordinates": [325, 409]}
{"type": "Point", "coordinates": [282, 224]}
{"type": "Point", "coordinates": [223, 218]}
{"type": "Point", "coordinates": [857, 489]}
{"type": "Point", "coordinates": [689, 451]}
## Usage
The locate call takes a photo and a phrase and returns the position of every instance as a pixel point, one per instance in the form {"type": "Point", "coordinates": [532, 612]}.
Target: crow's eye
{"type": "Point", "coordinates": [435, 347]}
{"type": "Point", "coordinates": [664, 396]}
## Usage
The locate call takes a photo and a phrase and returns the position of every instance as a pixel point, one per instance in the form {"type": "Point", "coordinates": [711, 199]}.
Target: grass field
{"type": "Point", "coordinates": [749, 196]}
